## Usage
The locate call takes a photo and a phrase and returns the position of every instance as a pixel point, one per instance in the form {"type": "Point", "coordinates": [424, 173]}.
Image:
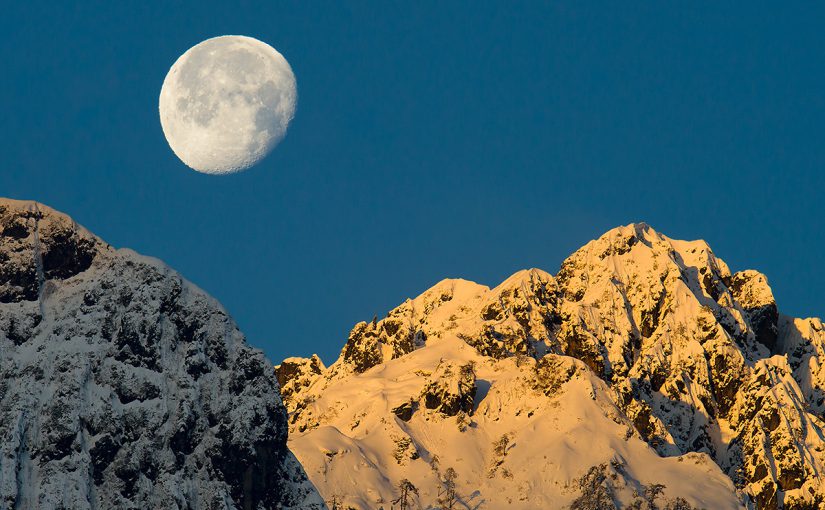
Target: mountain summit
{"type": "Point", "coordinates": [643, 375]}
{"type": "Point", "coordinates": [122, 385]}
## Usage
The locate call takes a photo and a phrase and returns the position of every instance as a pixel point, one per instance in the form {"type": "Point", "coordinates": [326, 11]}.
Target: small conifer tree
{"type": "Point", "coordinates": [406, 491]}
{"type": "Point", "coordinates": [448, 496]}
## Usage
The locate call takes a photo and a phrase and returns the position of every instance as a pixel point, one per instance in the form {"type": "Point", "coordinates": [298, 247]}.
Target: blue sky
{"type": "Point", "coordinates": [430, 141]}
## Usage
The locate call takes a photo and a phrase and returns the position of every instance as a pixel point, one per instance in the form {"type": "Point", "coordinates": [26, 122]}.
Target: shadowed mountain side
{"type": "Point", "coordinates": [122, 385]}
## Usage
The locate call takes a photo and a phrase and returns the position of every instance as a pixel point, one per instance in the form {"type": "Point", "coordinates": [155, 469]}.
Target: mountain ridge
{"type": "Point", "coordinates": [644, 374]}
{"type": "Point", "coordinates": [698, 359]}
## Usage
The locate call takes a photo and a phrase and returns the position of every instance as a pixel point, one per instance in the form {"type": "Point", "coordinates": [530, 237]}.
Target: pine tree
{"type": "Point", "coordinates": [407, 490]}
{"type": "Point", "coordinates": [448, 495]}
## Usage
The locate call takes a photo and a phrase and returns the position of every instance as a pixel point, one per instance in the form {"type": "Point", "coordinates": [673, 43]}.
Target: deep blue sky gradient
{"type": "Point", "coordinates": [430, 141]}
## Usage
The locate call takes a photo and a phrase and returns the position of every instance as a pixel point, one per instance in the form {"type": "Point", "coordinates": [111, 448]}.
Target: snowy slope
{"type": "Point", "coordinates": [643, 362]}
{"type": "Point", "coordinates": [553, 438]}
{"type": "Point", "coordinates": [124, 386]}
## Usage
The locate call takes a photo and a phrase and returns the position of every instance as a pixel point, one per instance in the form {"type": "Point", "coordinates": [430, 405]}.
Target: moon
{"type": "Point", "coordinates": [226, 103]}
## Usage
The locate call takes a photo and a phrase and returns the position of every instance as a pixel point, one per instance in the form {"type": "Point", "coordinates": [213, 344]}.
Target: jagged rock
{"type": "Point", "coordinates": [518, 317]}
{"type": "Point", "coordinates": [124, 386]}
{"type": "Point", "coordinates": [370, 344]}
{"type": "Point", "coordinates": [804, 342]}
{"type": "Point", "coordinates": [296, 373]}
{"type": "Point", "coordinates": [62, 249]}
{"type": "Point", "coordinates": [778, 453]}
{"type": "Point", "coordinates": [514, 318]}
{"type": "Point", "coordinates": [751, 291]}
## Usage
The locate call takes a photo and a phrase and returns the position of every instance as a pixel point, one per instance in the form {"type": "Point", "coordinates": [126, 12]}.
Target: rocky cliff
{"type": "Point", "coordinates": [124, 386]}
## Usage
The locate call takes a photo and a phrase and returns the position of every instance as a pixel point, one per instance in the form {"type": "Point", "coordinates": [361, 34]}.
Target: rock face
{"type": "Point", "coordinates": [124, 386]}
{"type": "Point", "coordinates": [451, 389]}
{"type": "Point", "coordinates": [750, 289]}
{"type": "Point", "coordinates": [294, 374]}
{"type": "Point", "coordinates": [689, 358]}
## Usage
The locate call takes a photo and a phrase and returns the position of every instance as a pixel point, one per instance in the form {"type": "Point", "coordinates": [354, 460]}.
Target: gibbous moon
{"type": "Point", "coordinates": [226, 103]}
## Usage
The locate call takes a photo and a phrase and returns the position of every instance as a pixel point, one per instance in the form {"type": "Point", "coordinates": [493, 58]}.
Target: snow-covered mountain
{"type": "Point", "coordinates": [124, 386]}
{"type": "Point", "coordinates": [643, 375]}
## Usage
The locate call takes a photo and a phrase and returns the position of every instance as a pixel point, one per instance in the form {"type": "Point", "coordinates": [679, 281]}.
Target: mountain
{"type": "Point", "coordinates": [643, 375]}
{"type": "Point", "coordinates": [122, 385]}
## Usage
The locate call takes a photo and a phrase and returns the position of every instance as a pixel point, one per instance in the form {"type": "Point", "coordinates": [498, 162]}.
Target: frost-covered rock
{"type": "Point", "coordinates": [124, 386]}
{"type": "Point", "coordinates": [678, 353]}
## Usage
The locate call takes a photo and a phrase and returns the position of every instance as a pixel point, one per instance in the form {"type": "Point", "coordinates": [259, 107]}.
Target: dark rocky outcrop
{"type": "Point", "coordinates": [124, 386]}
{"type": "Point", "coordinates": [451, 389]}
